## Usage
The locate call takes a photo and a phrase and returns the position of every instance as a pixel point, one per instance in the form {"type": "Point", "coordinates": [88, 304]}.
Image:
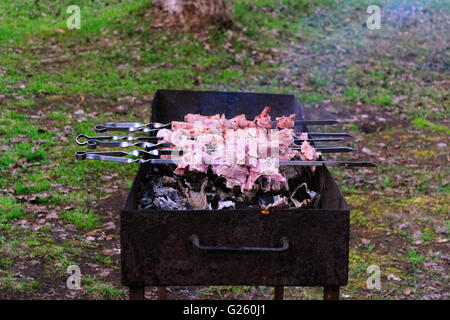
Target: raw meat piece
{"type": "Point", "coordinates": [165, 134]}
{"type": "Point", "coordinates": [307, 151]}
{"type": "Point", "coordinates": [303, 136]}
{"type": "Point", "coordinates": [209, 125]}
{"type": "Point", "coordinates": [286, 122]}
{"type": "Point", "coordinates": [267, 168]}
{"type": "Point", "coordinates": [239, 121]}
{"type": "Point", "coordinates": [285, 139]}
{"type": "Point", "coordinates": [182, 125]}
{"type": "Point", "coordinates": [239, 150]}
{"type": "Point", "coordinates": [194, 158]}
{"type": "Point", "coordinates": [234, 174]}
{"type": "Point", "coordinates": [211, 139]}
{"type": "Point", "coordinates": [263, 120]}
{"type": "Point", "coordinates": [191, 118]}
{"type": "Point", "coordinates": [179, 137]}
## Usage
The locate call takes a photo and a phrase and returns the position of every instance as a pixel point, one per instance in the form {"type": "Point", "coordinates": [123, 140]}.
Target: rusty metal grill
{"type": "Point", "coordinates": [287, 247]}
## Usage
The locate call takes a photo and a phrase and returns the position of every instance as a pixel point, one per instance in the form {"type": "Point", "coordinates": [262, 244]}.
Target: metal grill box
{"type": "Point", "coordinates": [287, 247]}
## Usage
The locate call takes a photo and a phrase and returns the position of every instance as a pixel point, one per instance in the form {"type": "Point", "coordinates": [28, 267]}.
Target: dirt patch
{"type": "Point", "coordinates": [367, 118]}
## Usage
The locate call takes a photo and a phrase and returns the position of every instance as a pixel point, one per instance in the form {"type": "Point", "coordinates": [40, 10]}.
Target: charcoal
{"type": "Point", "coordinates": [164, 204]}
{"type": "Point", "coordinates": [225, 204]}
{"type": "Point", "coordinates": [315, 198]}
{"type": "Point", "coordinates": [301, 197]}
{"type": "Point", "coordinates": [265, 200]}
{"type": "Point", "coordinates": [292, 172]}
{"type": "Point", "coordinates": [163, 190]}
{"type": "Point", "coordinates": [276, 202]}
{"type": "Point", "coordinates": [160, 192]}
{"type": "Point", "coordinates": [250, 196]}
{"type": "Point", "coordinates": [213, 200]}
{"type": "Point", "coordinates": [168, 181]}
{"type": "Point", "coordinates": [240, 205]}
{"type": "Point", "coordinates": [197, 199]}
{"type": "Point", "coordinates": [264, 184]}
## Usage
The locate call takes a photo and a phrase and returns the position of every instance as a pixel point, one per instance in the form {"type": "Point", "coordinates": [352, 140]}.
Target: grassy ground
{"type": "Point", "coordinates": [390, 85]}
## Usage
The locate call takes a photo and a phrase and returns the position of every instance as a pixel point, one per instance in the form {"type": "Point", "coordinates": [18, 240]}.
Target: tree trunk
{"type": "Point", "coordinates": [196, 14]}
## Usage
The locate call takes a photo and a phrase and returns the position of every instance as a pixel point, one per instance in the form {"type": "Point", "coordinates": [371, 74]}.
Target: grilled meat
{"type": "Point", "coordinates": [240, 150]}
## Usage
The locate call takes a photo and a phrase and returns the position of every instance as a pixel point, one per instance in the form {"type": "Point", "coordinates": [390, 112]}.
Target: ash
{"type": "Point", "coordinates": [162, 189]}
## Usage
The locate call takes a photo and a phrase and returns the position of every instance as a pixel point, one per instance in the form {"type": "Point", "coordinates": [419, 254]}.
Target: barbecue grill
{"type": "Point", "coordinates": [275, 247]}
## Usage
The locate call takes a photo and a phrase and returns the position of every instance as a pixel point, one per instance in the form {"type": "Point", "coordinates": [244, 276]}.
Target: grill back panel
{"type": "Point", "coordinates": [172, 105]}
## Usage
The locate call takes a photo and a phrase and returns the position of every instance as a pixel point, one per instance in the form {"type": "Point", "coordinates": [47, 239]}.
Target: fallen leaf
{"type": "Point", "coordinates": [52, 215]}
{"type": "Point", "coordinates": [393, 277]}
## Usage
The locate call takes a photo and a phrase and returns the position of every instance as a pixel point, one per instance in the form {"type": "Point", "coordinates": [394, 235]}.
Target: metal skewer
{"type": "Point", "coordinates": [119, 157]}
{"type": "Point", "coordinates": [318, 140]}
{"type": "Point", "coordinates": [93, 144]}
{"type": "Point", "coordinates": [334, 149]}
{"type": "Point", "coordinates": [113, 138]}
{"type": "Point", "coordinates": [155, 126]}
{"type": "Point", "coordinates": [81, 137]}
{"type": "Point", "coordinates": [328, 134]}
{"type": "Point", "coordinates": [331, 149]}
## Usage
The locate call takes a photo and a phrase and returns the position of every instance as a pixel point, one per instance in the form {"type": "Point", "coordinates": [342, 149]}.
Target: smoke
{"type": "Point", "coordinates": [341, 52]}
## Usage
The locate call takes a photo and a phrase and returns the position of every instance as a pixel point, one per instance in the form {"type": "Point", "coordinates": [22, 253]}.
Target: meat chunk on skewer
{"type": "Point", "coordinates": [191, 118]}
{"type": "Point", "coordinates": [286, 122]}
{"type": "Point", "coordinates": [176, 125]}
{"type": "Point", "coordinates": [266, 168]}
{"type": "Point", "coordinates": [303, 136]}
{"type": "Point", "coordinates": [263, 120]}
{"type": "Point", "coordinates": [234, 174]}
{"type": "Point", "coordinates": [285, 140]}
{"type": "Point", "coordinates": [240, 150]}
{"type": "Point", "coordinates": [194, 158]}
{"type": "Point", "coordinates": [239, 122]}
{"type": "Point", "coordinates": [166, 135]}
{"type": "Point", "coordinates": [308, 152]}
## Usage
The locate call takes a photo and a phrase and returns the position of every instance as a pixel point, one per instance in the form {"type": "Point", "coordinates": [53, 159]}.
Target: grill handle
{"type": "Point", "coordinates": [196, 242]}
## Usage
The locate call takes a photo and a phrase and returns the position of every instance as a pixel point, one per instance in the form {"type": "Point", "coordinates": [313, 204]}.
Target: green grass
{"type": "Point", "coordinates": [26, 103]}
{"type": "Point", "coordinates": [55, 257]}
{"type": "Point", "coordinates": [223, 291]}
{"type": "Point", "coordinates": [30, 287]}
{"type": "Point", "coordinates": [15, 284]}
{"type": "Point", "coordinates": [101, 258]}
{"type": "Point", "coordinates": [83, 220]}
{"type": "Point", "coordinates": [312, 97]}
{"type": "Point", "coordinates": [359, 217]}
{"type": "Point", "coordinates": [414, 257]}
{"type": "Point", "coordinates": [383, 99]}
{"type": "Point", "coordinates": [28, 187]}
{"type": "Point", "coordinates": [422, 123]}
{"type": "Point", "coordinates": [99, 289]}
{"type": "Point", "coordinates": [10, 209]}
{"type": "Point", "coordinates": [14, 125]}
{"type": "Point", "coordinates": [98, 73]}
{"type": "Point", "coordinates": [427, 236]}
{"type": "Point", "coordinates": [355, 94]}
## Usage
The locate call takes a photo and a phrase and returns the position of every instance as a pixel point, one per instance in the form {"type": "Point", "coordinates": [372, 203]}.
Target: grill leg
{"type": "Point", "coordinates": [331, 293]}
{"type": "Point", "coordinates": [161, 293]}
{"type": "Point", "coordinates": [137, 293]}
{"type": "Point", "coordinates": [278, 293]}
